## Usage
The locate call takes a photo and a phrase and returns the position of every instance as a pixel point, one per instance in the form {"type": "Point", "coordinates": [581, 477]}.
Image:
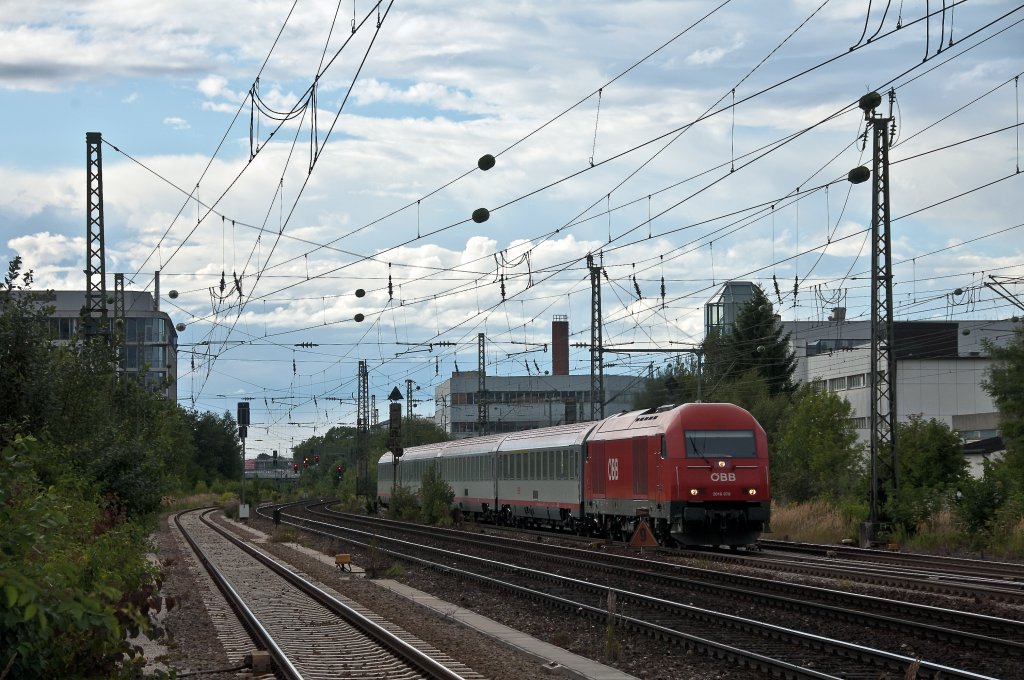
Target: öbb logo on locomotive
{"type": "Point", "coordinates": [613, 469]}
{"type": "Point", "coordinates": [696, 473]}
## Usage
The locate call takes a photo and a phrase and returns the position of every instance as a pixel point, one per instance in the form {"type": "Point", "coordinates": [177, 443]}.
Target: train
{"type": "Point", "coordinates": [694, 474]}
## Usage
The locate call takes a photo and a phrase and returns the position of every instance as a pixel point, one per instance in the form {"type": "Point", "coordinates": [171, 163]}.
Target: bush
{"type": "Point", "coordinates": [437, 497]}
{"type": "Point", "coordinates": [404, 504]}
{"type": "Point", "coordinates": [74, 580]}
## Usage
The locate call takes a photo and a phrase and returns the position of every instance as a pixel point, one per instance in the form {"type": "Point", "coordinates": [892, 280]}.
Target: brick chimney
{"type": "Point", "coordinates": [560, 345]}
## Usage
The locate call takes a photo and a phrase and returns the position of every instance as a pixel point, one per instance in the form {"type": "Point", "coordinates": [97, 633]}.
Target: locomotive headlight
{"type": "Point", "coordinates": [721, 463]}
{"type": "Point", "coordinates": [693, 492]}
{"type": "Point", "coordinates": [752, 492]}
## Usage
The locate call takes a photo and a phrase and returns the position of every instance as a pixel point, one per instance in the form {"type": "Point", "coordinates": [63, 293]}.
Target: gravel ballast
{"type": "Point", "coordinates": [191, 643]}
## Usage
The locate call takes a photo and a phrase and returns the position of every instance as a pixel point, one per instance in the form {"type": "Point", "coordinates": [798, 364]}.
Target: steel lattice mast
{"type": "Point", "coordinates": [882, 376]}
{"type": "Point", "coordinates": [481, 385]}
{"type": "Point", "coordinates": [95, 311]}
{"type": "Point", "coordinates": [596, 357]}
{"type": "Point", "coordinates": [363, 406]}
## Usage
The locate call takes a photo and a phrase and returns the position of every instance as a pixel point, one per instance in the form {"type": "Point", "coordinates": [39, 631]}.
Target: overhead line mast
{"type": "Point", "coordinates": [596, 358]}
{"type": "Point", "coordinates": [94, 312]}
{"type": "Point", "coordinates": [882, 376]}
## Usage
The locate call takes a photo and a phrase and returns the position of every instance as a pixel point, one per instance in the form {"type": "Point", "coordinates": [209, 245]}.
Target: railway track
{"type": "Point", "coordinates": [969, 580]}
{"type": "Point", "coordinates": [988, 633]}
{"type": "Point", "coordinates": [770, 648]}
{"type": "Point", "coordinates": [1003, 575]}
{"type": "Point", "coordinates": [309, 632]}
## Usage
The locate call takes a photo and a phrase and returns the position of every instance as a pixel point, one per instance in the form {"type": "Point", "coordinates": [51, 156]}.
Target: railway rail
{"type": "Point", "coordinates": [770, 648]}
{"type": "Point", "coordinates": [309, 632]}
{"type": "Point", "coordinates": [989, 633]}
{"type": "Point", "coordinates": [1007, 575]}
{"type": "Point", "coordinates": [969, 580]}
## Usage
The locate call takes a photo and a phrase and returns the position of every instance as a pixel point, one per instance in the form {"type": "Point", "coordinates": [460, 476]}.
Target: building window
{"type": "Point", "coordinates": [859, 423]}
{"type": "Point", "coordinates": [854, 381]}
{"type": "Point", "coordinates": [62, 329]}
{"type": "Point", "coordinates": [836, 384]}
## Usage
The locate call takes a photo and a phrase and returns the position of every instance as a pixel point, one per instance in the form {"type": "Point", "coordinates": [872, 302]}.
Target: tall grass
{"type": "Point", "coordinates": [941, 533]}
{"type": "Point", "coordinates": [814, 522]}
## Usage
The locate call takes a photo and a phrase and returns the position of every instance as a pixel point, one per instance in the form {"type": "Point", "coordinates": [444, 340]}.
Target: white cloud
{"type": "Point", "coordinates": [176, 123]}
{"type": "Point", "coordinates": [46, 249]}
{"type": "Point", "coordinates": [213, 86]}
{"type": "Point", "coordinates": [712, 55]}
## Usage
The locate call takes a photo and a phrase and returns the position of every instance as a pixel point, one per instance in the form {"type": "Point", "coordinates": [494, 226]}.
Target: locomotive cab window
{"type": "Point", "coordinates": [720, 444]}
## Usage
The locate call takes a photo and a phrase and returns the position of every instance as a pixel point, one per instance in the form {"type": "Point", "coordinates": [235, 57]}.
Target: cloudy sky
{"type": "Point", "coordinates": [301, 151]}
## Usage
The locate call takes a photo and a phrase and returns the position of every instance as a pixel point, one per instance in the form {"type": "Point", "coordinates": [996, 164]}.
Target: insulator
{"type": "Point", "coordinates": [486, 162]}
{"type": "Point", "coordinates": [481, 215]}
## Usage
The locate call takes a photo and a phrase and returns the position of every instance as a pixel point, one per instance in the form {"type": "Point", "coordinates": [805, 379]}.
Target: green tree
{"type": "Point", "coordinates": [817, 456]}
{"type": "Point", "coordinates": [74, 580]}
{"type": "Point", "coordinates": [930, 454]}
{"type": "Point", "coordinates": [977, 501]}
{"type": "Point", "coordinates": [85, 459]}
{"type": "Point", "coordinates": [218, 448]}
{"type": "Point", "coordinates": [346, 446]}
{"type": "Point", "coordinates": [676, 382]}
{"type": "Point", "coordinates": [1005, 383]}
{"type": "Point", "coordinates": [26, 354]}
{"type": "Point", "coordinates": [751, 392]}
{"type": "Point", "coordinates": [931, 465]}
{"type": "Point", "coordinates": [755, 342]}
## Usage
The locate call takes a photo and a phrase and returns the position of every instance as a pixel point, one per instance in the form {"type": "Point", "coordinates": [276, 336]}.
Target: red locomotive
{"type": "Point", "coordinates": [698, 474]}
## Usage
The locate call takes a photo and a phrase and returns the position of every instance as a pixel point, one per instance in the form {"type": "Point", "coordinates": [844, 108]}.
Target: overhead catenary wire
{"type": "Point", "coordinates": [773, 258]}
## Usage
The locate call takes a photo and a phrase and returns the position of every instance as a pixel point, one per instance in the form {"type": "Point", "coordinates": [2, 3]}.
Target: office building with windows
{"type": "Point", "coordinates": [149, 342]}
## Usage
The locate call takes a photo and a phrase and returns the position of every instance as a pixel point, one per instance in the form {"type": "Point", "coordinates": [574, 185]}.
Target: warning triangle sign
{"type": "Point", "coordinates": [643, 537]}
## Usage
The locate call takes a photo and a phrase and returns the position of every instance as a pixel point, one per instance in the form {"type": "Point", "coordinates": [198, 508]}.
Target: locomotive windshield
{"type": "Point", "coordinates": [720, 444]}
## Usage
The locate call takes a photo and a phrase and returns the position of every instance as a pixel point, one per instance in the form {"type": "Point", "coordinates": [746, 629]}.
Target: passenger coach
{"type": "Point", "coordinates": [698, 474]}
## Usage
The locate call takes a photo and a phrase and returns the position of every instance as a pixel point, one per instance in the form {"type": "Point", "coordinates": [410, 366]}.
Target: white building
{"type": "Point", "coordinates": [940, 367]}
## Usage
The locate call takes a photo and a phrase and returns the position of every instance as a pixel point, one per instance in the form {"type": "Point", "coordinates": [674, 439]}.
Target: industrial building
{"type": "Point", "coordinates": [940, 366]}
{"type": "Point", "coordinates": [527, 402]}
